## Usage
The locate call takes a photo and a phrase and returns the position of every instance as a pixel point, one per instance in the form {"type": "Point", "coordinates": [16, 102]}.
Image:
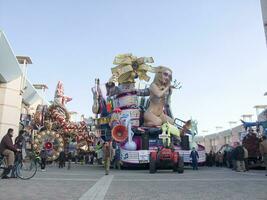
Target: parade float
{"type": "Point", "coordinates": [140, 120]}
{"type": "Point", "coordinates": [54, 130]}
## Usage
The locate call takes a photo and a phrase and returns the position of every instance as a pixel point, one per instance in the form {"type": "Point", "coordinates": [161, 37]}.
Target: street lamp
{"type": "Point", "coordinates": [231, 124]}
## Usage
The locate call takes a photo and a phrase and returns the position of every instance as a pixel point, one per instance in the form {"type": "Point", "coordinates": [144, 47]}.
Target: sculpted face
{"type": "Point", "coordinates": [166, 77]}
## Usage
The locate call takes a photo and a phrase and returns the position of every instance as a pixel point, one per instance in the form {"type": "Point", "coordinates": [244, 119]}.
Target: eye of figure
{"type": "Point", "coordinates": [167, 74]}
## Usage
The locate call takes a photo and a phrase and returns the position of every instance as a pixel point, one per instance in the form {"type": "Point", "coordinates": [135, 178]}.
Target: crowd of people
{"type": "Point", "coordinates": [105, 152]}
{"type": "Point", "coordinates": [236, 158]}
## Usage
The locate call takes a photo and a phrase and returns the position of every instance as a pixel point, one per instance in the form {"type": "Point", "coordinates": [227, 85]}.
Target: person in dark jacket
{"type": "Point", "coordinates": [194, 156]}
{"type": "Point", "coordinates": [43, 155]}
{"type": "Point", "coordinates": [19, 140]}
{"type": "Point", "coordinates": [7, 149]}
{"type": "Point", "coordinates": [61, 159]}
{"type": "Point", "coordinates": [20, 144]}
{"type": "Point", "coordinates": [234, 158]}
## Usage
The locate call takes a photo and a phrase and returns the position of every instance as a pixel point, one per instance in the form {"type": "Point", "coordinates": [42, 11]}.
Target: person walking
{"type": "Point", "coordinates": [263, 150]}
{"type": "Point", "coordinates": [107, 153]}
{"type": "Point", "coordinates": [194, 156]}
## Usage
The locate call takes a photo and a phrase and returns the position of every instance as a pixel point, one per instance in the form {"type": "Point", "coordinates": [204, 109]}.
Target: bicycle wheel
{"type": "Point", "coordinates": [2, 165]}
{"type": "Point", "coordinates": [26, 169]}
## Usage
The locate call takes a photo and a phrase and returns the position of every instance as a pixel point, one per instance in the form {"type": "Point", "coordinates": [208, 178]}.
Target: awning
{"type": "Point", "coordinates": [9, 66]}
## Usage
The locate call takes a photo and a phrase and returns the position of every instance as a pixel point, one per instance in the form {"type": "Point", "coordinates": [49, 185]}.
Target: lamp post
{"type": "Point", "coordinates": [247, 117]}
{"type": "Point", "coordinates": [231, 124]}
{"type": "Point", "coordinates": [206, 144]}
{"type": "Point", "coordinates": [23, 61]}
{"type": "Point", "coordinates": [218, 128]}
{"type": "Point", "coordinates": [259, 109]}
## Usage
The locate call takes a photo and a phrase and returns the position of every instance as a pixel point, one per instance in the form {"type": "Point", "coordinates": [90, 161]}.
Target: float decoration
{"type": "Point", "coordinates": [55, 127]}
{"type": "Point", "coordinates": [130, 67]}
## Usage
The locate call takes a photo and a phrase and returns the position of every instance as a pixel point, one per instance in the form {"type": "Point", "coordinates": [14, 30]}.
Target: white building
{"type": "Point", "coordinates": [17, 94]}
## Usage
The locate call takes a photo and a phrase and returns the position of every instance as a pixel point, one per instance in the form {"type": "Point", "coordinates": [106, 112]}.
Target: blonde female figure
{"type": "Point", "coordinates": [159, 89]}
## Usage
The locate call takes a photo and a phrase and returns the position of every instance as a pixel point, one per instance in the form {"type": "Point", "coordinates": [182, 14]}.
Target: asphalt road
{"type": "Point", "coordinates": [89, 182]}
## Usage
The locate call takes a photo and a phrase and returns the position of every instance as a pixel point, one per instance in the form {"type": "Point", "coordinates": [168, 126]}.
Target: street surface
{"type": "Point", "coordinates": [89, 182]}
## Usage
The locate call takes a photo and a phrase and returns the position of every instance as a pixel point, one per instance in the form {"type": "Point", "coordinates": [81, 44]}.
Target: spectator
{"type": "Point", "coordinates": [43, 155]}
{"type": "Point", "coordinates": [107, 152]}
{"type": "Point", "coordinates": [263, 150]}
{"type": "Point", "coordinates": [194, 156]}
{"type": "Point", "coordinates": [234, 158]}
{"type": "Point", "coordinates": [20, 144]}
{"type": "Point", "coordinates": [99, 152]}
{"type": "Point", "coordinates": [210, 158]}
{"type": "Point", "coordinates": [245, 158]}
{"type": "Point", "coordinates": [87, 158]}
{"type": "Point", "coordinates": [240, 164]}
{"type": "Point", "coordinates": [220, 159]}
{"type": "Point", "coordinates": [61, 159]}
{"type": "Point", "coordinates": [229, 159]}
{"type": "Point", "coordinates": [69, 160]}
{"type": "Point", "coordinates": [92, 156]}
{"type": "Point", "coordinates": [117, 158]}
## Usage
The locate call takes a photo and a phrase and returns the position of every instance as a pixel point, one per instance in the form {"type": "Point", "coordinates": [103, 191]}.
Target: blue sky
{"type": "Point", "coordinates": [216, 49]}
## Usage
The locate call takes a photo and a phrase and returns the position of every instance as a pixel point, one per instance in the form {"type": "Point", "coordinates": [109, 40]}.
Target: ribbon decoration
{"type": "Point", "coordinates": [130, 67]}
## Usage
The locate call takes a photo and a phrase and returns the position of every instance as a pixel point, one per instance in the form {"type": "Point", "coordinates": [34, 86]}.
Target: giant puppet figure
{"type": "Point", "coordinates": [160, 89]}
{"type": "Point", "coordinates": [59, 98]}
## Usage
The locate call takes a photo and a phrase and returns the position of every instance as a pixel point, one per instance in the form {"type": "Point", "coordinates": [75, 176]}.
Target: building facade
{"type": "Point", "coordinates": [18, 97]}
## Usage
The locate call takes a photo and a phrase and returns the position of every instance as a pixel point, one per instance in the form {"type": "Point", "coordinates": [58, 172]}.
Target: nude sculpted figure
{"type": "Point", "coordinates": [160, 90]}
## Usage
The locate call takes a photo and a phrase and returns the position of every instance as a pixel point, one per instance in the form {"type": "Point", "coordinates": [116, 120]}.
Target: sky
{"type": "Point", "coordinates": [216, 49]}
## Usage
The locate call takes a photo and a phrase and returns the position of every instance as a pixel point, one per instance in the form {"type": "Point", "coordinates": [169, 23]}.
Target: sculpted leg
{"type": "Point", "coordinates": [166, 118]}
{"type": "Point", "coordinates": [152, 120]}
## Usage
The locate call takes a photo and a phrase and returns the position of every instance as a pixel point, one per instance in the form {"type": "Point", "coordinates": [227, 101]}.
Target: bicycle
{"type": "Point", "coordinates": [24, 168]}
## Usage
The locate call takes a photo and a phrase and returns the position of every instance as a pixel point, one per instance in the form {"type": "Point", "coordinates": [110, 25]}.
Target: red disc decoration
{"type": "Point", "coordinates": [48, 146]}
{"type": "Point", "coordinates": [51, 141]}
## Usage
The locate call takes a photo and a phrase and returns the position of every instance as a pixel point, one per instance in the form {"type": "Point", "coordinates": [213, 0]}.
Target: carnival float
{"type": "Point", "coordinates": [139, 120]}
{"type": "Point", "coordinates": [54, 130]}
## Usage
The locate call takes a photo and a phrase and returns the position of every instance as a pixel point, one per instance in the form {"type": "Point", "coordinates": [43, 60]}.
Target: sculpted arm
{"type": "Point", "coordinates": [154, 89]}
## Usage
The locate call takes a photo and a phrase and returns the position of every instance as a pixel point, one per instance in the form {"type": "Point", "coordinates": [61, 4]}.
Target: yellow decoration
{"type": "Point", "coordinates": [130, 67]}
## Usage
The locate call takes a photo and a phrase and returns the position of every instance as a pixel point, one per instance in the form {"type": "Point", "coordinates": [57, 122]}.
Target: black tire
{"type": "Point", "coordinates": [180, 168]}
{"type": "Point", "coordinates": [175, 166]}
{"type": "Point", "coordinates": [26, 169]}
{"type": "Point", "coordinates": [152, 166]}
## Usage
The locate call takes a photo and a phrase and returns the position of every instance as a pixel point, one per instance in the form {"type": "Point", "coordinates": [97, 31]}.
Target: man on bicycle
{"type": "Point", "coordinates": [7, 149]}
